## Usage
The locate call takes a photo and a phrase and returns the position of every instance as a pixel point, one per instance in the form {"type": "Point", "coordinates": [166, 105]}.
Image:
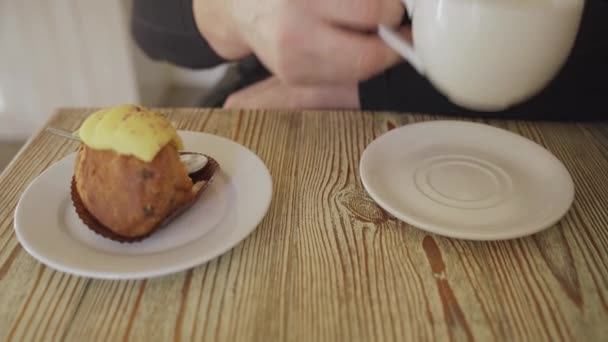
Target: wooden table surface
{"type": "Point", "coordinates": [326, 264]}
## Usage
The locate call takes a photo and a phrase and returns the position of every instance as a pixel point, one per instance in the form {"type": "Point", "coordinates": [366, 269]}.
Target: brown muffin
{"type": "Point", "coordinates": [129, 179]}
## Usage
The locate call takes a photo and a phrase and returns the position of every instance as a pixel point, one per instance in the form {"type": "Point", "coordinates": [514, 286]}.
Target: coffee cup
{"type": "Point", "coordinates": [488, 55]}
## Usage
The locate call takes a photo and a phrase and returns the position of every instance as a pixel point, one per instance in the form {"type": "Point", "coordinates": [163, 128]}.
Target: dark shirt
{"type": "Point", "coordinates": [166, 31]}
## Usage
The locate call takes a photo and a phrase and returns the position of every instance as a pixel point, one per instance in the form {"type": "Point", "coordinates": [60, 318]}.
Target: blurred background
{"type": "Point", "coordinates": [79, 53]}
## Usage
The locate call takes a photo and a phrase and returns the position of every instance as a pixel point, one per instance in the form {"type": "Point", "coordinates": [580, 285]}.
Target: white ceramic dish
{"type": "Point", "coordinates": [466, 180]}
{"type": "Point", "coordinates": [49, 229]}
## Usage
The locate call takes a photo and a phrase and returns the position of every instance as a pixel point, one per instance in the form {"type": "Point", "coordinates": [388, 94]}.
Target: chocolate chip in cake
{"type": "Point", "coordinates": [147, 174]}
{"type": "Point", "coordinates": [148, 210]}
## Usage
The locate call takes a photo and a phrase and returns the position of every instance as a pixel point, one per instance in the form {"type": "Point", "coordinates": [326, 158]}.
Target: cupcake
{"type": "Point", "coordinates": [129, 177]}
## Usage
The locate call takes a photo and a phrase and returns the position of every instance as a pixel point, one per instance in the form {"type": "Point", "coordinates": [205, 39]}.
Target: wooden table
{"type": "Point", "coordinates": [326, 264]}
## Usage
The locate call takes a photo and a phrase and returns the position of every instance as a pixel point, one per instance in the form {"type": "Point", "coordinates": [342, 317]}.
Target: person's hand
{"type": "Point", "coordinates": [303, 41]}
{"type": "Point", "coordinates": [274, 94]}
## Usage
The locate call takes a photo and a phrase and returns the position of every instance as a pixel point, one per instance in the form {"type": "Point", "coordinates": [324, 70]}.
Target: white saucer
{"type": "Point", "coordinates": [48, 228]}
{"type": "Point", "coordinates": [466, 180]}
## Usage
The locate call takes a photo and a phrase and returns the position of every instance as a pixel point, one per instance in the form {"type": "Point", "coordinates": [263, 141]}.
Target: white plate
{"type": "Point", "coordinates": [466, 180]}
{"type": "Point", "coordinates": [49, 229]}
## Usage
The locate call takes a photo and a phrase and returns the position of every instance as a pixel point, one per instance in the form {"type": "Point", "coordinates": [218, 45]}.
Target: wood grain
{"type": "Point", "coordinates": [326, 263]}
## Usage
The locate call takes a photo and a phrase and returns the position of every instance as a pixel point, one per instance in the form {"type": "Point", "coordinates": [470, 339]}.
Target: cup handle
{"type": "Point", "coordinates": [403, 47]}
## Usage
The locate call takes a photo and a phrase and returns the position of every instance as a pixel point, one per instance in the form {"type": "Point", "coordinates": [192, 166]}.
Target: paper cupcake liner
{"type": "Point", "coordinates": [205, 175]}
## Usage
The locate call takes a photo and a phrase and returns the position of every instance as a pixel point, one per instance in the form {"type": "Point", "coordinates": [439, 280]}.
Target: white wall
{"type": "Point", "coordinates": [64, 53]}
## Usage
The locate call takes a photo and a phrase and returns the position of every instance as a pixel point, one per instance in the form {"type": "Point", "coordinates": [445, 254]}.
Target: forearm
{"type": "Point", "coordinates": [166, 30]}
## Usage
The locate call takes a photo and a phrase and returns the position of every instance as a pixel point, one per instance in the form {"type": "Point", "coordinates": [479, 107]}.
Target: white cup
{"type": "Point", "coordinates": [488, 55]}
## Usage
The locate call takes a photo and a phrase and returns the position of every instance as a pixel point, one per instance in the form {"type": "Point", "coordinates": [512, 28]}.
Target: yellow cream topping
{"type": "Point", "coordinates": [129, 130]}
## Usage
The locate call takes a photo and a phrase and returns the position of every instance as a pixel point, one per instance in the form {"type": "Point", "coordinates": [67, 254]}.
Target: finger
{"type": "Point", "coordinates": [251, 96]}
{"type": "Point", "coordinates": [360, 14]}
{"type": "Point", "coordinates": [272, 94]}
{"type": "Point", "coordinates": [343, 56]}
{"type": "Point", "coordinates": [339, 96]}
